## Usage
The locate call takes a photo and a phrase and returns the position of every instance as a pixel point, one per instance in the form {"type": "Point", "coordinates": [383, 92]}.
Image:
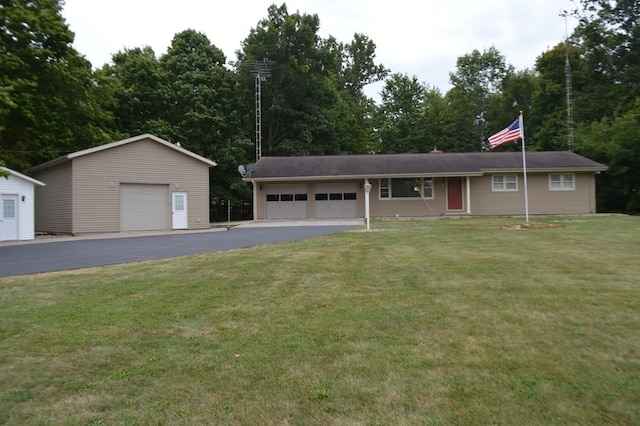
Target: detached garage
{"type": "Point", "coordinates": [16, 205]}
{"type": "Point", "coordinates": [142, 183]}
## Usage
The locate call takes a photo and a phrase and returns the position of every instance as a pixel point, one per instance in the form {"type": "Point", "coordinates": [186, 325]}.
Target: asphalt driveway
{"type": "Point", "coordinates": [21, 259]}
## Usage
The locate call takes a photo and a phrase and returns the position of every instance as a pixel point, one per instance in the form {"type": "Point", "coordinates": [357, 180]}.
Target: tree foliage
{"type": "Point", "coordinates": [50, 101]}
{"type": "Point", "coordinates": [204, 109]}
{"type": "Point", "coordinates": [609, 36]}
{"type": "Point", "coordinates": [140, 92]}
{"type": "Point", "coordinates": [476, 82]}
{"type": "Point", "coordinates": [312, 100]}
{"type": "Point", "coordinates": [609, 32]}
{"type": "Point", "coordinates": [402, 117]}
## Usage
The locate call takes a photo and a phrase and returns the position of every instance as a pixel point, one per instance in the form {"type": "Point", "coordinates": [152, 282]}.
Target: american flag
{"type": "Point", "coordinates": [506, 135]}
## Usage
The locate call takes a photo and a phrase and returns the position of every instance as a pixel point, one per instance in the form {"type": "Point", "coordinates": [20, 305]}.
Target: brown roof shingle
{"type": "Point", "coordinates": [443, 164]}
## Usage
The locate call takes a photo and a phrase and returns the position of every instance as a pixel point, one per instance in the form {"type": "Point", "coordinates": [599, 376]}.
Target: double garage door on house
{"type": "Point", "coordinates": [337, 200]}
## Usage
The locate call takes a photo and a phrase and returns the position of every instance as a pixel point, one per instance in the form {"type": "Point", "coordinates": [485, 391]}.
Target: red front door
{"type": "Point", "coordinates": [454, 193]}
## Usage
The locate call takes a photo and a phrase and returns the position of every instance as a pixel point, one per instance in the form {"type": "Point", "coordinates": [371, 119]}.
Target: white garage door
{"type": "Point", "coordinates": [336, 200]}
{"type": "Point", "coordinates": [144, 207]}
{"type": "Point", "coordinates": [286, 202]}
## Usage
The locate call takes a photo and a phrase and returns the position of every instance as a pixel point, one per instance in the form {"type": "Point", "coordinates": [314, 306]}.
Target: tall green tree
{"type": "Point", "coordinates": [401, 117]}
{"type": "Point", "coordinates": [204, 109]}
{"type": "Point", "coordinates": [609, 33]}
{"type": "Point", "coordinates": [615, 142]}
{"type": "Point", "coordinates": [608, 105]}
{"type": "Point", "coordinates": [357, 70]}
{"type": "Point", "coordinates": [141, 92]}
{"type": "Point", "coordinates": [298, 94]}
{"type": "Point", "coordinates": [312, 102]}
{"type": "Point", "coordinates": [476, 82]}
{"type": "Point", "coordinates": [50, 101]}
{"type": "Point", "coordinates": [516, 95]}
{"type": "Point", "coordinates": [548, 118]}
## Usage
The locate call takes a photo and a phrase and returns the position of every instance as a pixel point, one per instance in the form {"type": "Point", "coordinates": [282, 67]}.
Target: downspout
{"type": "Point", "coordinates": [468, 179]}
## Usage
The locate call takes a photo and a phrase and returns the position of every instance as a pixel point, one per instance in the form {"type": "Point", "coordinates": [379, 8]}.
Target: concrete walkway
{"type": "Point", "coordinates": [301, 222]}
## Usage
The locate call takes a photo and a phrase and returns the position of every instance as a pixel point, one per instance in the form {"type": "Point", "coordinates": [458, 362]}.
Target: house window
{"type": "Point", "coordinates": [427, 188]}
{"type": "Point", "coordinates": [562, 183]}
{"type": "Point", "coordinates": [9, 209]}
{"type": "Point", "coordinates": [403, 188]}
{"type": "Point", "coordinates": [384, 188]}
{"type": "Point", "coordinates": [501, 183]}
{"type": "Point", "coordinates": [406, 188]}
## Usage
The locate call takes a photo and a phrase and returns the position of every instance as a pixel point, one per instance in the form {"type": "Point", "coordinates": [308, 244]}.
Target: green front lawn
{"type": "Point", "coordinates": [416, 322]}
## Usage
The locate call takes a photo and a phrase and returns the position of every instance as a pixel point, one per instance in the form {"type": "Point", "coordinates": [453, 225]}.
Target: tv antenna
{"type": "Point", "coordinates": [567, 78]}
{"type": "Point", "coordinates": [260, 70]}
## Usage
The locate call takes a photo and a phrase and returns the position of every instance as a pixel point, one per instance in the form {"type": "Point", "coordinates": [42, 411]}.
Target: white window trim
{"type": "Point", "coordinates": [563, 183]}
{"type": "Point", "coordinates": [504, 188]}
{"type": "Point", "coordinates": [417, 197]}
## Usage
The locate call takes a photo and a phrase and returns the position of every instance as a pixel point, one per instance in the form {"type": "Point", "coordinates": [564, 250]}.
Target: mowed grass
{"type": "Point", "coordinates": [426, 322]}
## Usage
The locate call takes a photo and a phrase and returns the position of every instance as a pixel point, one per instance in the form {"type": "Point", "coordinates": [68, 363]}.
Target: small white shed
{"type": "Point", "coordinates": [16, 206]}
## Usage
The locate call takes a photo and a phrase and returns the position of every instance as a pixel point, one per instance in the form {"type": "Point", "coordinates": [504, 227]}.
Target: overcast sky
{"type": "Point", "coordinates": [421, 38]}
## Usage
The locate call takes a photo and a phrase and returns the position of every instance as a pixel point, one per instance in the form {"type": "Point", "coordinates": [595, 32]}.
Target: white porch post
{"type": "Point", "coordinates": [367, 190]}
{"type": "Point", "coordinates": [255, 200]}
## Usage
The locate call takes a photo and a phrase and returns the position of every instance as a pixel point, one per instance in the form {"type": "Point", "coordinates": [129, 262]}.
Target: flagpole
{"type": "Point", "coordinates": [524, 169]}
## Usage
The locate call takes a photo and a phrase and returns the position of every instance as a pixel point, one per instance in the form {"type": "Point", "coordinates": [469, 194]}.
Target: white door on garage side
{"type": "Point", "coordinates": [286, 201]}
{"type": "Point", "coordinates": [336, 200]}
{"type": "Point", "coordinates": [144, 207]}
{"type": "Point", "coordinates": [9, 218]}
{"type": "Point", "coordinates": [179, 210]}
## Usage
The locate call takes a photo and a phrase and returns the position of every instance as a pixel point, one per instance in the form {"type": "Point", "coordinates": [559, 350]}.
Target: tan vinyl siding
{"type": "Point", "coordinates": [581, 200]}
{"type": "Point", "coordinates": [97, 178]}
{"type": "Point", "coordinates": [53, 204]}
{"type": "Point", "coordinates": [414, 207]}
{"type": "Point", "coordinates": [483, 201]}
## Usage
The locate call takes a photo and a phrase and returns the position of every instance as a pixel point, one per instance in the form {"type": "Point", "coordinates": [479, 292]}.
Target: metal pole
{"type": "Point", "coordinates": [568, 85]}
{"type": "Point", "coordinates": [261, 70]}
{"type": "Point", "coordinates": [524, 169]}
{"type": "Point", "coordinates": [258, 117]}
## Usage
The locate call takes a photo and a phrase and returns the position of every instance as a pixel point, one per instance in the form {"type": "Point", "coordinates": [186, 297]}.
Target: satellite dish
{"type": "Point", "coordinates": [242, 170]}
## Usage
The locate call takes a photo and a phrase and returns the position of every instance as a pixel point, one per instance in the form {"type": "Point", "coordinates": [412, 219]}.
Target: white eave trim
{"type": "Point", "coordinates": [137, 138]}
{"type": "Point", "coordinates": [547, 170]}
{"type": "Point", "coordinates": [24, 177]}
{"type": "Point", "coordinates": [356, 177]}
{"type": "Point", "coordinates": [119, 143]}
